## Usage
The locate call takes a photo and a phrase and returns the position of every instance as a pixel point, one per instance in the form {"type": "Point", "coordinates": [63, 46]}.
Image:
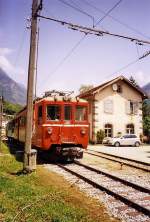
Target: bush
{"type": "Point", "coordinates": [100, 136]}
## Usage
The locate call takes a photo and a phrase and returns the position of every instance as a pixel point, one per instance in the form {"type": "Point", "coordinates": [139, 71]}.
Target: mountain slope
{"type": "Point", "coordinates": [146, 89]}
{"type": "Point", "coordinates": [12, 91]}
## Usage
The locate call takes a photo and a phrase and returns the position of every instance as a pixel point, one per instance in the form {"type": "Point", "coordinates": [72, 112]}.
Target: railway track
{"type": "Point", "coordinates": [122, 160]}
{"type": "Point", "coordinates": [128, 200]}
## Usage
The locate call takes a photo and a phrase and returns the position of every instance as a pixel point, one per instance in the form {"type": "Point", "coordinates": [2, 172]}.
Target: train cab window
{"type": "Point", "coordinates": [67, 112]}
{"type": "Point", "coordinates": [81, 113]}
{"type": "Point", "coordinates": [40, 115]}
{"type": "Point", "coordinates": [53, 112]}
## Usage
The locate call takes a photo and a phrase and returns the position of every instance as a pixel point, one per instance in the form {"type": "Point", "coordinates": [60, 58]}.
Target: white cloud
{"type": "Point", "coordinates": [141, 77]}
{"type": "Point", "coordinates": [5, 51]}
{"type": "Point", "coordinates": [13, 71]}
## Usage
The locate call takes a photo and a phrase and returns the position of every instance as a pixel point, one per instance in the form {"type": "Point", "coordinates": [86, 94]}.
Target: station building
{"type": "Point", "coordinates": [115, 107]}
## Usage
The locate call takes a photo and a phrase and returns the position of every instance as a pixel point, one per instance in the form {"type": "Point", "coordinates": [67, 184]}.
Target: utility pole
{"type": "Point", "coordinates": [1, 121]}
{"type": "Point", "coordinates": [36, 6]}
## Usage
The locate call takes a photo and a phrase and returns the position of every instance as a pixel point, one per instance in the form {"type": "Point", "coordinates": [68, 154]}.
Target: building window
{"type": "Point", "coordinates": [132, 107]}
{"type": "Point", "coordinates": [119, 89]}
{"type": "Point", "coordinates": [108, 106]}
{"type": "Point", "coordinates": [130, 129]}
{"type": "Point", "coordinates": [108, 130]}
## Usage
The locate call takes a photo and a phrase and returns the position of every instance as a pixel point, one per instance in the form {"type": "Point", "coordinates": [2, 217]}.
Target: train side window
{"type": "Point", "coordinates": [67, 112]}
{"type": "Point", "coordinates": [39, 114]}
{"type": "Point", "coordinates": [81, 113]}
{"type": "Point", "coordinates": [53, 112]}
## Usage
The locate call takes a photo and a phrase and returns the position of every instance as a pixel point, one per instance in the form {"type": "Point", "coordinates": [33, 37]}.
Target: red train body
{"type": "Point", "coordinates": [60, 126]}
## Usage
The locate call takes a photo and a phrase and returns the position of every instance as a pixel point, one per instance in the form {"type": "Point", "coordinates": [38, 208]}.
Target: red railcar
{"type": "Point", "coordinates": [60, 126]}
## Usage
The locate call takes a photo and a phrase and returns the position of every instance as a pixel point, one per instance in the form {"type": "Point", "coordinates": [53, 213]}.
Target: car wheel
{"type": "Point", "coordinates": [117, 144]}
{"type": "Point", "coordinates": [137, 144]}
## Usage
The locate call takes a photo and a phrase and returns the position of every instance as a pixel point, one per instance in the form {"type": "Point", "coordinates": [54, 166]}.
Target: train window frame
{"type": "Point", "coordinates": [70, 114]}
{"type": "Point", "coordinates": [58, 115]}
{"type": "Point", "coordinates": [41, 114]}
{"type": "Point", "coordinates": [85, 115]}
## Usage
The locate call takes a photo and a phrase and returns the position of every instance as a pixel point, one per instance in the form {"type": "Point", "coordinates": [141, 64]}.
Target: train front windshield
{"type": "Point", "coordinates": [81, 113]}
{"type": "Point", "coordinates": [53, 112]}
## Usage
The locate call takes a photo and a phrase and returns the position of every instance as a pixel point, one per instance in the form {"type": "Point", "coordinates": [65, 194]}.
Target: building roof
{"type": "Point", "coordinates": [96, 90]}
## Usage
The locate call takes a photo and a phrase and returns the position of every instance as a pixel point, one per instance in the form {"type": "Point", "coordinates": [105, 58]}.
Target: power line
{"type": "Point", "coordinates": [107, 13]}
{"type": "Point", "coordinates": [93, 16]}
{"type": "Point", "coordinates": [94, 31]}
{"type": "Point", "coordinates": [145, 55]}
{"type": "Point", "coordinates": [66, 57]}
{"type": "Point", "coordinates": [123, 68]}
{"type": "Point", "coordinates": [129, 64]}
{"type": "Point", "coordinates": [115, 19]}
{"type": "Point", "coordinates": [20, 47]}
{"type": "Point", "coordinates": [78, 9]}
{"type": "Point", "coordinates": [77, 44]}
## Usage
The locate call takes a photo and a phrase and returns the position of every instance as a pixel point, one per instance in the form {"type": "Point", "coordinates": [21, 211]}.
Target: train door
{"type": "Point", "coordinates": [67, 134]}
{"type": "Point", "coordinates": [38, 125]}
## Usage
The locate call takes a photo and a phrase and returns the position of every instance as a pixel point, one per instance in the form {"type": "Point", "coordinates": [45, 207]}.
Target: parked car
{"type": "Point", "coordinates": [126, 140]}
{"type": "Point", "coordinates": [106, 140]}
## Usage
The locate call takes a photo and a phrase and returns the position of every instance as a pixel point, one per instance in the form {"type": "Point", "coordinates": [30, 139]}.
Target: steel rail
{"type": "Point", "coordinates": [136, 161]}
{"type": "Point", "coordinates": [99, 154]}
{"type": "Point", "coordinates": [116, 178]}
{"type": "Point", "coordinates": [108, 191]}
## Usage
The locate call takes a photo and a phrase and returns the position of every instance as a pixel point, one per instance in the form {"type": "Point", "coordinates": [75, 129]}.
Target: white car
{"type": "Point", "coordinates": [126, 140]}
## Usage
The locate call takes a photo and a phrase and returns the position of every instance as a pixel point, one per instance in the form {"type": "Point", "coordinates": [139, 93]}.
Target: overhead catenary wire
{"type": "Point", "coordinates": [97, 32]}
{"type": "Point", "coordinates": [108, 12]}
{"type": "Point", "coordinates": [93, 16]}
{"type": "Point", "coordinates": [77, 44]}
{"type": "Point", "coordinates": [116, 19]}
{"type": "Point", "coordinates": [79, 10]}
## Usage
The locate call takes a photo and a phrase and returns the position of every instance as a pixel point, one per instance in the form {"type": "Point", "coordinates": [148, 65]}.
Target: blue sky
{"type": "Point", "coordinates": [95, 60]}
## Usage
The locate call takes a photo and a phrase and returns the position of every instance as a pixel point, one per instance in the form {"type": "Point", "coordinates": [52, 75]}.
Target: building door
{"type": "Point", "coordinates": [108, 130]}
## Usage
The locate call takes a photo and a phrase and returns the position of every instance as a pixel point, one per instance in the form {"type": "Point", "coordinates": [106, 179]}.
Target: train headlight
{"type": "Point", "coordinates": [49, 130]}
{"type": "Point", "coordinates": [83, 131]}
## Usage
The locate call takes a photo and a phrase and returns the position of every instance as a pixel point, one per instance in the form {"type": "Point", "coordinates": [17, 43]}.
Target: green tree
{"type": "Point", "coordinates": [84, 88]}
{"type": "Point", "coordinates": [146, 117]}
{"type": "Point", "coordinates": [100, 136]}
{"type": "Point", "coordinates": [10, 108]}
{"type": "Point", "coordinates": [133, 81]}
{"type": "Point", "coordinates": [146, 125]}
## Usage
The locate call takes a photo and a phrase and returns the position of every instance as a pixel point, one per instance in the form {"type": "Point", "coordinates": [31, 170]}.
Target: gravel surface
{"type": "Point", "coordinates": [127, 173]}
{"type": "Point", "coordinates": [114, 207]}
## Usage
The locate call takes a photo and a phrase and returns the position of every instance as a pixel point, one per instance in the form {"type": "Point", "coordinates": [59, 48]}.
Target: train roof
{"type": "Point", "coordinates": [61, 99]}
{"type": "Point", "coordinates": [55, 99]}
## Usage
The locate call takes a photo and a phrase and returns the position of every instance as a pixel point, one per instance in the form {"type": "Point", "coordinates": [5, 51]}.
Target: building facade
{"type": "Point", "coordinates": [115, 107]}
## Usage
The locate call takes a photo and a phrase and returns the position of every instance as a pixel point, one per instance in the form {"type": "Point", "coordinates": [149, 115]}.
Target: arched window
{"type": "Point", "coordinates": [130, 128]}
{"type": "Point", "coordinates": [108, 130]}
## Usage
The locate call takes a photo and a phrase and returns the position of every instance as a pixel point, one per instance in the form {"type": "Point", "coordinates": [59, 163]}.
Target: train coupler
{"type": "Point", "coordinates": [73, 152]}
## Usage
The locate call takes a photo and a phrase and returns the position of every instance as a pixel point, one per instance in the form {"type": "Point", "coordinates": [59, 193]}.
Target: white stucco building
{"type": "Point", "coordinates": [115, 107]}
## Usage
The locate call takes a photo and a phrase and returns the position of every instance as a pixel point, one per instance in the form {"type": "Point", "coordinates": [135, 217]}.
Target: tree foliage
{"type": "Point", "coordinates": [133, 81]}
{"type": "Point", "coordinates": [84, 88]}
{"type": "Point", "coordinates": [100, 136]}
{"type": "Point", "coordinates": [146, 125]}
{"type": "Point", "coordinates": [10, 108]}
{"type": "Point", "coordinates": [146, 117]}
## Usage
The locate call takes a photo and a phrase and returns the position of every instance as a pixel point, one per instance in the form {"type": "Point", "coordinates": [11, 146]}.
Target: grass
{"type": "Point", "coordinates": [42, 196]}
